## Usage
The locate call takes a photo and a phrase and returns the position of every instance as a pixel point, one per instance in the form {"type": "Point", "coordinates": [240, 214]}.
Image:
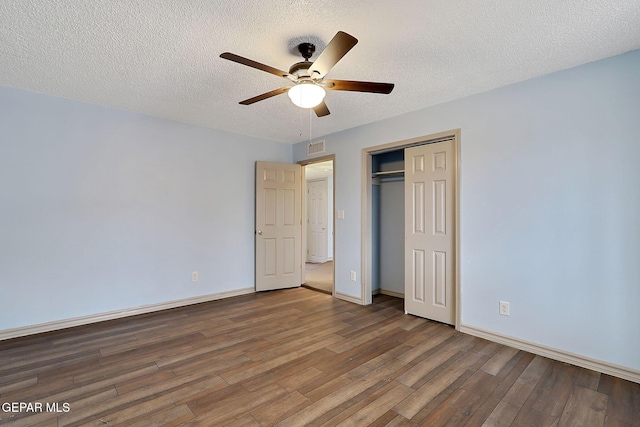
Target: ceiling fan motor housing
{"type": "Point", "coordinates": [301, 69]}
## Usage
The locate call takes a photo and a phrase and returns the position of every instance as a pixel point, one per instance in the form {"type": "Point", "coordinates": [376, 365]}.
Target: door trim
{"type": "Point", "coordinates": [304, 163]}
{"type": "Point", "coordinates": [366, 210]}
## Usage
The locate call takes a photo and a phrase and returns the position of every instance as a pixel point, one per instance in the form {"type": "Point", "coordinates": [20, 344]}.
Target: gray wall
{"type": "Point", "coordinates": [549, 205]}
{"type": "Point", "coordinates": [102, 210]}
{"type": "Point", "coordinates": [388, 245]}
{"type": "Point", "coordinates": [391, 244]}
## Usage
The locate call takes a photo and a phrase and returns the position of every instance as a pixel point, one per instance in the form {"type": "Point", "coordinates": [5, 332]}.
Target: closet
{"type": "Point", "coordinates": [388, 223]}
{"type": "Point", "coordinates": [413, 226]}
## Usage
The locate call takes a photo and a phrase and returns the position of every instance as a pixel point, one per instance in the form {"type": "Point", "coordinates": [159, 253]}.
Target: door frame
{"type": "Point", "coordinates": [304, 163]}
{"type": "Point", "coordinates": [367, 153]}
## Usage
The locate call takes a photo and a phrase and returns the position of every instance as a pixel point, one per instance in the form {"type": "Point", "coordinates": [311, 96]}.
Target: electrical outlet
{"type": "Point", "coordinates": [194, 276]}
{"type": "Point", "coordinates": [353, 275]}
{"type": "Point", "coordinates": [504, 308]}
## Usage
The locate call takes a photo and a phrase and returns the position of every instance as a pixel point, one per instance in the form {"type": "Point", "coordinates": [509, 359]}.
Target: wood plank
{"type": "Point", "coordinates": [382, 403]}
{"type": "Point", "coordinates": [455, 409]}
{"type": "Point", "coordinates": [244, 421]}
{"type": "Point", "coordinates": [499, 360]}
{"type": "Point", "coordinates": [288, 369]}
{"type": "Point", "coordinates": [624, 398]}
{"type": "Point", "coordinates": [365, 365]}
{"type": "Point", "coordinates": [502, 416]}
{"type": "Point", "coordinates": [481, 383]}
{"type": "Point", "coordinates": [54, 393]}
{"type": "Point", "coordinates": [144, 408]}
{"type": "Point", "coordinates": [348, 391]}
{"type": "Point", "coordinates": [507, 382]}
{"type": "Point", "coordinates": [412, 404]}
{"type": "Point", "coordinates": [387, 419]}
{"type": "Point", "coordinates": [225, 344]}
{"type": "Point", "coordinates": [112, 406]}
{"type": "Point", "coordinates": [358, 359]}
{"type": "Point", "coordinates": [521, 390]}
{"type": "Point", "coordinates": [418, 371]}
{"type": "Point", "coordinates": [221, 412]}
{"type": "Point", "coordinates": [553, 390]}
{"type": "Point", "coordinates": [19, 384]}
{"type": "Point", "coordinates": [239, 374]}
{"type": "Point", "coordinates": [290, 404]}
{"type": "Point", "coordinates": [614, 422]}
{"type": "Point", "coordinates": [352, 405]}
{"type": "Point", "coordinates": [529, 417]}
{"type": "Point", "coordinates": [424, 346]}
{"type": "Point", "coordinates": [300, 379]}
{"type": "Point", "coordinates": [174, 416]}
{"type": "Point", "coordinates": [483, 412]}
{"type": "Point", "coordinates": [584, 408]}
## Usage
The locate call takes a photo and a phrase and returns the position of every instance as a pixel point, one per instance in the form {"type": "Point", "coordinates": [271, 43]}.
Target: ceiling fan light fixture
{"type": "Point", "coordinates": [306, 94]}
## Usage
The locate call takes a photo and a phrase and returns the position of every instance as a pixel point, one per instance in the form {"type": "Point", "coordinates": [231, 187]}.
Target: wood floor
{"type": "Point", "coordinates": [297, 358]}
{"type": "Point", "coordinates": [319, 277]}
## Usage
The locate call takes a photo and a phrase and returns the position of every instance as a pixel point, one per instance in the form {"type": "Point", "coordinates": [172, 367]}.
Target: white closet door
{"type": "Point", "coordinates": [429, 231]}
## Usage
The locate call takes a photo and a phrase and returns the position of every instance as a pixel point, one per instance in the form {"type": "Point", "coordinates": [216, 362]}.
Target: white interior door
{"type": "Point", "coordinates": [278, 226]}
{"type": "Point", "coordinates": [317, 224]}
{"type": "Point", "coordinates": [429, 231]}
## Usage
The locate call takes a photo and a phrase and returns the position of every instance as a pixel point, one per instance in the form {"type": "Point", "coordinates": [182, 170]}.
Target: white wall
{"type": "Point", "coordinates": [550, 205]}
{"type": "Point", "coordinates": [102, 210]}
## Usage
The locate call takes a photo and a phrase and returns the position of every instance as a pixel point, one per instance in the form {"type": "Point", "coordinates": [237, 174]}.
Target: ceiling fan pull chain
{"type": "Point", "coordinates": [300, 122]}
{"type": "Point", "coordinates": [309, 125]}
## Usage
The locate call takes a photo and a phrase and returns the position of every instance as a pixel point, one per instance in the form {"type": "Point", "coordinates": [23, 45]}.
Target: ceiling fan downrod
{"type": "Point", "coordinates": [306, 50]}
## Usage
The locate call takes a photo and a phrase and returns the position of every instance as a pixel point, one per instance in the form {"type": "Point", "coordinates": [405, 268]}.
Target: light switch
{"type": "Point", "coordinates": [340, 214]}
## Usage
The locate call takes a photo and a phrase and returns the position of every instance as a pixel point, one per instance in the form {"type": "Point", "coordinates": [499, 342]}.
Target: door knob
{"type": "Point", "coordinates": [260, 232]}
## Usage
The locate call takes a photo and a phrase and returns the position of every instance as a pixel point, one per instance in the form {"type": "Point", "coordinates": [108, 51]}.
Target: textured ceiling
{"type": "Point", "coordinates": [161, 57]}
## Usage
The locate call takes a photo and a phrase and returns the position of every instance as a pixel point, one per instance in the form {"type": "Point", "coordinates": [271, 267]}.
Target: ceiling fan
{"type": "Point", "coordinates": [308, 83]}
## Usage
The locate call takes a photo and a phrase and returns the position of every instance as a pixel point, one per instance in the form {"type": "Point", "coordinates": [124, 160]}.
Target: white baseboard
{"type": "Point", "coordinates": [349, 298]}
{"type": "Point", "coordinates": [554, 353]}
{"type": "Point", "coordinates": [391, 293]}
{"type": "Point", "coordinates": [111, 315]}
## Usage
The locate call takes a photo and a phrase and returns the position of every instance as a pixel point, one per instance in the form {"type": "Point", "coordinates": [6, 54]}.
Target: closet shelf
{"type": "Point", "coordinates": [386, 173]}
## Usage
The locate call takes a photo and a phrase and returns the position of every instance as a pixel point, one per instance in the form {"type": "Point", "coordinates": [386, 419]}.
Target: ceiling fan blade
{"type": "Point", "coordinates": [321, 110]}
{"type": "Point", "coordinates": [265, 95]}
{"type": "Point", "coordinates": [253, 64]}
{"type": "Point", "coordinates": [338, 47]}
{"type": "Point", "coordinates": [356, 86]}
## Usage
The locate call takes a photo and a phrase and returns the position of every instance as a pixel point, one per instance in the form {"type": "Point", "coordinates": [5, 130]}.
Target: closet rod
{"type": "Point", "coordinates": [393, 172]}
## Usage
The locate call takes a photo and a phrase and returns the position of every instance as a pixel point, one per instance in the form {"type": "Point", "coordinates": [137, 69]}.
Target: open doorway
{"type": "Point", "coordinates": [318, 225]}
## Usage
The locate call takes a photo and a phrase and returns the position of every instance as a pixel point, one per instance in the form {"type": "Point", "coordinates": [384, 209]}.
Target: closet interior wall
{"type": "Point", "coordinates": [388, 223]}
